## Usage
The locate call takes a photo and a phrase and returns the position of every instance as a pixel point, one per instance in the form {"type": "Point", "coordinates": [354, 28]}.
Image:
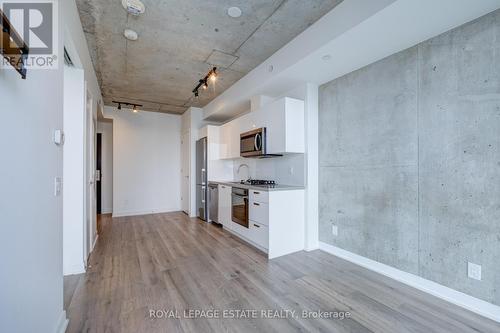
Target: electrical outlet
{"type": "Point", "coordinates": [474, 271]}
{"type": "Point", "coordinates": [335, 230]}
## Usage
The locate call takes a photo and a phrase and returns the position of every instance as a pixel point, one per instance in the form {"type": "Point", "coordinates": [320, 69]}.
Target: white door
{"type": "Point", "coordinates": [185, 149]}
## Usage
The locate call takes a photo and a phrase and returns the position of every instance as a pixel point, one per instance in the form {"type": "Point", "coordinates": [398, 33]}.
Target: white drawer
{"type": "Point", "coordinates": [259, 212]}
{"type": "Point", "coordinates": [259, 196]}
{"type": "Point", "coordinates": [259, 234]}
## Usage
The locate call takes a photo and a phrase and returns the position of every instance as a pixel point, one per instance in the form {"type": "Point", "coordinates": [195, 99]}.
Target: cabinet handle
{"type": "Point", "coordinates": [255, 225]}
{"type": "Point", "coordinates": [256, 192]}
{"type": "Point", "coordinates": [256, 204]}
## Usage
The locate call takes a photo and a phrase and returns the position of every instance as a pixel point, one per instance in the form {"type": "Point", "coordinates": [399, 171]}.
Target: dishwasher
{"type": "Point", "coordinates": [213, 203]}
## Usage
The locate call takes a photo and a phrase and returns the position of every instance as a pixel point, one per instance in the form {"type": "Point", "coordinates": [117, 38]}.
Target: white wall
{"type": "Point", "coordinates": [74, 176]}
{"type": "Point", "coordinates": [146, 162]}
{"type": "Point", "coordinates": [31, 278]}
{"type": "Point", "coordinates": [106, 129]}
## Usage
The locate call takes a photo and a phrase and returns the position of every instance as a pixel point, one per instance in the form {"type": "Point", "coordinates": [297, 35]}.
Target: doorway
{"type": "Point", "coordinates": [104, 171]}
{"type": "Point", "coordinates": [98, 168]}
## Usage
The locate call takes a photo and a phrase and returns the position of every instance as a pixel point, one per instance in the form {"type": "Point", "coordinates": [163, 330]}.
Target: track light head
{"type": "Point", "coordinates": [119, 106]}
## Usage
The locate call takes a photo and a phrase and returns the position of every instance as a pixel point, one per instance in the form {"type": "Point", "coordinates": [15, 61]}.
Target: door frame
{"type": "Point", "coordinates": [89, 167]}
{"type": "Point", "coordinates": [186, 172]}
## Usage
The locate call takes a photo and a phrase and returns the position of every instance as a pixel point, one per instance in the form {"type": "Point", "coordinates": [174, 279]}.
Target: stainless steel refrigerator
{"type": "Point", "coordinates": [201, 179]}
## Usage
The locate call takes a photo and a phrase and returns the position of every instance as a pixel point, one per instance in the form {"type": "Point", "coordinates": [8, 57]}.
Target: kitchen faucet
{"type": "Point", "coordinates": [248, 169]}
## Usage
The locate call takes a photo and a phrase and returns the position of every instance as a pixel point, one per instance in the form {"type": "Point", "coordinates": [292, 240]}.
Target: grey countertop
{"type": "Point", "coordinates": [278, 187]}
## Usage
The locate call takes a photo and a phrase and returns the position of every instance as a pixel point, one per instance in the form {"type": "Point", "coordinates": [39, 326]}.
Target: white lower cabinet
{"type": "Point", "coordinates": [276, 220]}
{"type": "Point", "coordinates": [259, 212]}
{"type": "Point", "coordinates": [259, 234]}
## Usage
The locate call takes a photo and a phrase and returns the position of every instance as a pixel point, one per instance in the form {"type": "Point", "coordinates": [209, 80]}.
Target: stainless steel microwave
{"type": "Point", "coordinates": [253, 143]}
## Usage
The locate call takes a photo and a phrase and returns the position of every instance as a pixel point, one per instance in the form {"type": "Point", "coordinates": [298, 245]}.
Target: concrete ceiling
{"type": "Point", "coordinates": [180, 40]}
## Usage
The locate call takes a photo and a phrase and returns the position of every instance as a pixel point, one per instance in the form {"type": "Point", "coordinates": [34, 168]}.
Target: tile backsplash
{"type": "Point", "coordinates": [288, 169]}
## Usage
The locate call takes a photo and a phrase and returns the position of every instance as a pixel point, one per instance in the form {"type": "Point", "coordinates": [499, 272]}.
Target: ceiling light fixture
{"type": "Point", "coordinates": [326, 57]}
{"type": "Point", "coordinates": [203, 83]}
{"type": "Point", "coordinates": [234, 12]}
{"type": "Point", "coordinates": [130, 34]}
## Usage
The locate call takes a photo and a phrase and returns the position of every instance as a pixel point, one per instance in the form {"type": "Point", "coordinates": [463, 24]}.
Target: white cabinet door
{"type": "Point", "coordinates": [225, 205]}
{"type": "Point", "coordinates": [259, 234]}
{"type": "Point", "coordinates": [234, 139]}
{"type": "Point", "coordinates": [224, 141]}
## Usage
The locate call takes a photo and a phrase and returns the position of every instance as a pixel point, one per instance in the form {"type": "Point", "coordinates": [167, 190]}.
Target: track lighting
{"type": "Point", "coordinates": [203, 83]}
{"type": "Point", "coordinates": [134, 106]}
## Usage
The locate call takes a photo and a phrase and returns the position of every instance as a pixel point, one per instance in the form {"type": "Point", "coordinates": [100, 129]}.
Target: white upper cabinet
{"type": "Point", "coordinates": [230, 140]}
{"type": "Point", "coordinates": [284, 122]}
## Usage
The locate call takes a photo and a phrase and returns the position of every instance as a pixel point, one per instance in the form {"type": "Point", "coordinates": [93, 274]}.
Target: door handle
{"type": "Point", "coordinates": [256, 204]}
{"type": "Point", "coordinates": [256, 192]}
{"type": "Point", "coordinates": [255, 225]}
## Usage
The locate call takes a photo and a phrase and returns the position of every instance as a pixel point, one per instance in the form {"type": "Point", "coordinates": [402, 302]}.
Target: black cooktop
{"type": "Point", "coordinates": [259, 182]}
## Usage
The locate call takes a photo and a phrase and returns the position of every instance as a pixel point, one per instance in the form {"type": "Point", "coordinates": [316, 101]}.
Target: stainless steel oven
{"type": "Point", "coordinates": [239, 206]}
{"type": "Point", "coordinates": [253, 143]}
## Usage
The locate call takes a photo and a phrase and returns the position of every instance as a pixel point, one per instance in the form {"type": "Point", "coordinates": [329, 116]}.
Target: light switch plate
{"type": "Point", "coordinates": [59, 137]}
{"type": "Point", "coordinates": [57, 186]}
{"type": "Point", "coordinates": [474, 271]}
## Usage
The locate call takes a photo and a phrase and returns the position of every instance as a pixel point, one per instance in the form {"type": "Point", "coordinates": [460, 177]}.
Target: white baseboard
{"type": "Point", "coordinates": [468, 302]}
{"type": "Point", "coordinates": [145, 212]}
{"type": "Point", "coordinates": [106, 210]}
{"type": "Point", "coordinates": [311, 247]}
{"type": "Point", "coordinates": [95, 242]}
{"type": "Point", "coordinates": [62, 323]}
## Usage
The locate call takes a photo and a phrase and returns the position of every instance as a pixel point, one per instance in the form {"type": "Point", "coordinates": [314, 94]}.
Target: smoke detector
{"type": "Point", "coordinates": [234, 12]}
{"type": "Point", "coordinates": [130, 34]}
{"type": "Point", "coordinates": [134, 7]}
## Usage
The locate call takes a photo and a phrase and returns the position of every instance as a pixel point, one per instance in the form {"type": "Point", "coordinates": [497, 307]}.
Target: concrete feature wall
{"type": "Point", "coordinates": [410, 159]}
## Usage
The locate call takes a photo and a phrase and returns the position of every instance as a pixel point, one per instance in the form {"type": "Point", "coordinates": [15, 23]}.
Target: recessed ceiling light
{"type": "Point", "coordinates": [234, 12]}
{"type": "Point", "coordinates": [130, 34]}
{"type": "Point", "coordinates": [326, 57]}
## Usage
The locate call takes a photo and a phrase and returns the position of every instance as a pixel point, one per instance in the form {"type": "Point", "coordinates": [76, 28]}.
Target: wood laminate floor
{"type": "Point", "coordinates": [170, 262]}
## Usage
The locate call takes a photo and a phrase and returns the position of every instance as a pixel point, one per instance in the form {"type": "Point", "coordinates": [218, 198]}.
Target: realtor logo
{"type": "Point", "coordinates": [34, 37]}
{"type": "Point", "coordinates": [34, 23]}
